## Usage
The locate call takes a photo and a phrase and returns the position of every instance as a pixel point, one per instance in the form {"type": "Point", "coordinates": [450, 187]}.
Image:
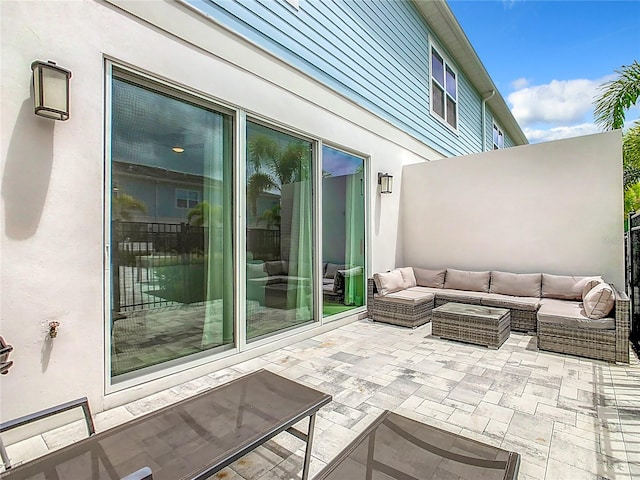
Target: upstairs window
{"type": "Point", "coordinates": [187, 198]}
{"type": "Point", "coordinates": [498, 138]}
{"type": "Point", "coordinates": [444, 90]}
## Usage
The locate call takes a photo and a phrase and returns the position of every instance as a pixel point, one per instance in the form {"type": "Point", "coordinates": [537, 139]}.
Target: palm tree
{"type": "Point", "coordinates": [123, 205]}
{"type": "Point", "coordinates": [272, 217]}
{"type": "Point", "coordinates": [203, 214]}
{"type": "Point", "coordinates": [274, 166]}
{"type": "Point", "coordinates": [611, 106]}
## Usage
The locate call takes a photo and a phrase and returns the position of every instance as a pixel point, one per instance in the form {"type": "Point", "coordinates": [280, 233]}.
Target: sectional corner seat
{"type": "Point", "coordinates": [577, 315]}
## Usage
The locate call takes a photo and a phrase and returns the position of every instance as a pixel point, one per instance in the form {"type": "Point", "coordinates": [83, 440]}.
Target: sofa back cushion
{"type": "Point", "coordinates": [408, 277]}
{"type": "Point", "coordinates": [388, 282]}
{"type": "Point", "coordinates": [429, 278]}
{"type": "Point", "coordinates": [564, 287]}
{"type": "Point", "coordinates": [276, 267]}
{"type": "Point", "coordinates": [465, 280]}
{"type": "Point", "coordinates": [516, 284]}
{"type": "Point", "coordinates": [332, 269]}
{"type": "Point", "coordinates": [599, 301]}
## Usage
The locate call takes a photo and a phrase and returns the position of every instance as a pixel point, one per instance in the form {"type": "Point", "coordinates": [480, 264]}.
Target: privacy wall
{"type": "Point", "coordinates": [554, 207]}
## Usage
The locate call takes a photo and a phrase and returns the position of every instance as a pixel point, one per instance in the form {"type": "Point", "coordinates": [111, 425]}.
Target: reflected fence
{"type": "Point", "coordinates": [157, 265]}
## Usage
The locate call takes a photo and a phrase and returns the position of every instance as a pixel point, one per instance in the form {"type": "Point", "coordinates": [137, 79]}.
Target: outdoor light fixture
{"type": "Point", "coordinates": [50, 90]}
{"type": "Point", "coordinates": [386, 182]}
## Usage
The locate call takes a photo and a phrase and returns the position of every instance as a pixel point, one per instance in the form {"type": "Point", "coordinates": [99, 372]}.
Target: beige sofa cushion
{"type": "Point", "coordinates": [529, 304]}
{"type": "Point", "coordinates": [408, 278]}
{"type": "Point", "coordinates": [516, 284]}
{"type": "Point", "coordinates": [571, 314]}
{"type": "Point", "coordinates": [388, 282]}
{"type": "Point", "coordinates": [599, 301]}
{"type": "Point", "coordinates": [429, 278]}
{"type": "Point", "coordinates": [466, 280]}
{"type": "Point", "coordinates": [564, 287]}
{"type": "Point", "coordinates": [409, 297]}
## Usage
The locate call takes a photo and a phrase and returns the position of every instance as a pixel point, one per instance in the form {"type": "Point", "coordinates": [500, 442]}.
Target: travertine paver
{"type": "Point", "coordinates": [569, 418]}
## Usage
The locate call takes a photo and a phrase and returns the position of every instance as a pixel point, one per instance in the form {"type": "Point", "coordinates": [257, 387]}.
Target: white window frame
{"type": "Point", "coordinates": [446, 64]}
{"type": "Point", "coordinates": [500, 132]}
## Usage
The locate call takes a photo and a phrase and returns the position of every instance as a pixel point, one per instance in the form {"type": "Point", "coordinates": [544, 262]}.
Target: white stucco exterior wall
{"type": "Point", "coordinates": [52, 234]}
{"type": "Point", "coordinates": [554, 207]}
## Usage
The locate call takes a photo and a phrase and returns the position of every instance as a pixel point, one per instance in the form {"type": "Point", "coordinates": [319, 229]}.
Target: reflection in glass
{"type": "Point", "coordinates": [343, 229]}
{"type": "Point", "coordinates": [171, 235]}
{"type": "Point", "coordinates": [279, 268]}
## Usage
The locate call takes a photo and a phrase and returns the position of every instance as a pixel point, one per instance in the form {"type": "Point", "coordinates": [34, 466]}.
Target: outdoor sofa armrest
{"type": "Point", "coordinates": [622, 312]}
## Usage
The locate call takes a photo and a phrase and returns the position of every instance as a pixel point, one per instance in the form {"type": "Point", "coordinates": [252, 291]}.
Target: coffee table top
{"type": "Point", "coordinates": [396, 447]}
{"type": "Point", "coordinates": [472, 310]}
{"type": "Point", "coordinates": [188, 439]}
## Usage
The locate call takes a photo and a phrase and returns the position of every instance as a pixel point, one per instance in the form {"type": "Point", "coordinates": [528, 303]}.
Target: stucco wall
{"type": "Point", "coordinates": [52, 229]}
{"type": "Point", "coordinates": [555, 207]}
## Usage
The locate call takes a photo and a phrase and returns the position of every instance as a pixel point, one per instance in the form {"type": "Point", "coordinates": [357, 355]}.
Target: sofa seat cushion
{"type": "Point", "coordinates": [571, 314]}
{"type": "Point", "coordinates": [425, 290]}
{"type": "Point", "coordinates": [406, 296]}
{"type": "Point", "coordinates": [516, 284]}
{"type": "Point", "coordinates": [529, 304]}
{"type": "Point", "coordinates": [429, 278]}
{"type": "Point", "coordinates": [565, 287]}
{"type": "Point", "coordinates": [327, 281]}
{"type": "Point", "coordinates": [462, 296]}
{"type": "Point", "coordinates": [466, 280]}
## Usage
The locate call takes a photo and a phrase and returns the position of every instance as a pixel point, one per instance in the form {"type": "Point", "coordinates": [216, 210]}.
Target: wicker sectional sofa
{"type": "Point", "coordinates": [578, 315]}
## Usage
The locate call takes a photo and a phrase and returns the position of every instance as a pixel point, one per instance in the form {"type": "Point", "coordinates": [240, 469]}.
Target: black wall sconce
{"type": "Point", "coordinates": [386, 182]}
{"type": "Point", "coordinates": [50, 90]}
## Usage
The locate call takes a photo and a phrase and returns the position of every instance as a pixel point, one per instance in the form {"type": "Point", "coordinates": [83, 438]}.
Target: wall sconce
{"type": "Point", "coordinates": [50, 90]}
{"type": "Point", "coordinates": [386, 182]}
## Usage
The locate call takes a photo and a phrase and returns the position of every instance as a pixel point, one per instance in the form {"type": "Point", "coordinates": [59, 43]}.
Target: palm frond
{"type": "Point", "coordinates": [617, 96]}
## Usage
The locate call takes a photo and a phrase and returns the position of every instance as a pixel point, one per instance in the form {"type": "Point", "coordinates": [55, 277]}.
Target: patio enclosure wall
{"type": "Point", "coordinates": [554, 207]}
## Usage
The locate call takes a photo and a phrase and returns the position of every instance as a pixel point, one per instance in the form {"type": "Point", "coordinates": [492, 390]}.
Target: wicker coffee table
{"type": "Point", "coordinates": [488, 326]}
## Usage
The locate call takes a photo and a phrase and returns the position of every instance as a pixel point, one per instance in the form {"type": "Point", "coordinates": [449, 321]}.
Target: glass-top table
{"type": "Point", "coordinates": [396, 447]}
{"type": "Point", "coordinates": [191, 439]}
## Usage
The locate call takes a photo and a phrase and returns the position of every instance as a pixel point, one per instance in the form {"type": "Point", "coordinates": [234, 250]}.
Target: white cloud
{"type": "Point", "coordinates": [556, 103]}
{"type": "Point", "coordinates": [520, 83]}
{"type": "Point", "coordinates": [558, 133]}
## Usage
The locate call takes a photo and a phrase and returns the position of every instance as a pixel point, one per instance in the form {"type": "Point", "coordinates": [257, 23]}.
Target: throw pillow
{"type": "Point", "coordinates": [408, 277]}
{"type": "Point", "coordinates": [388, 282]}
{"type": "Point", "coordinates": [590, 283]}
{"type": "Point", "coordinates": [599, 301]}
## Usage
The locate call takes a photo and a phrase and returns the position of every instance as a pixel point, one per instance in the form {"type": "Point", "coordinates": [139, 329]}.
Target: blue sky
{"type": "Point", "coordinates": [548, 58]}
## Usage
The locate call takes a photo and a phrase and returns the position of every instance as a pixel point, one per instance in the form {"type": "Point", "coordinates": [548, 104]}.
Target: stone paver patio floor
{"type": "Point", "coordinates": [569, 418]}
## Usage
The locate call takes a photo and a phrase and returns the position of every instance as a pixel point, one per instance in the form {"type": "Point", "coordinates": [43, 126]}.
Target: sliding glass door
{"type": "Point", "coordinates": [343, 231]}
{"type": "Point", "coordinates": [171, 226]}
{"type": "Point", "coordinates": [279, 257]}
